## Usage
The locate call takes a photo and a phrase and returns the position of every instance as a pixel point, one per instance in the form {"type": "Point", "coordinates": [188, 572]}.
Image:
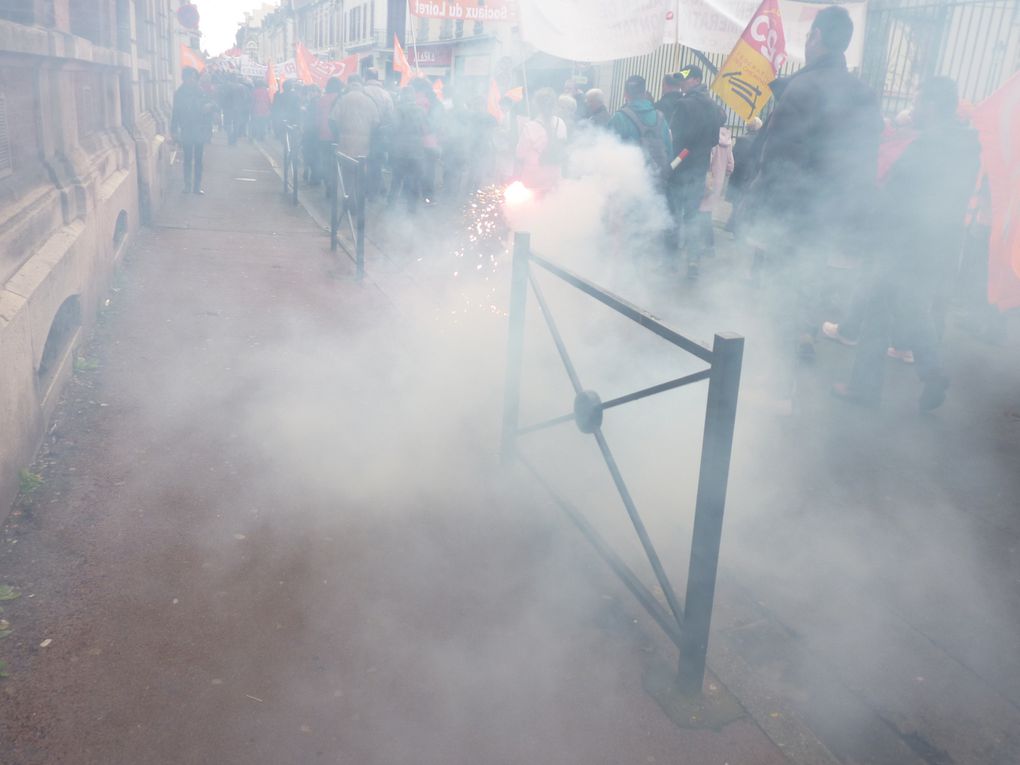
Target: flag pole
{"type": "Point", "coordinates": [414, 40]}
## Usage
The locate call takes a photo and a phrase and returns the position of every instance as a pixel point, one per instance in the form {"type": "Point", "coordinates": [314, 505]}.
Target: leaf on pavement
{"type": "Point", "coordinates": [8, 593]}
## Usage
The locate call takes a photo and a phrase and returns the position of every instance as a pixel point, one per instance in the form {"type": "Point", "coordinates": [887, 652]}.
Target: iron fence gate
{"type": "Point", "coordinates": [686, 625]}
{"type": "Point", "coordinates": [974, 42]}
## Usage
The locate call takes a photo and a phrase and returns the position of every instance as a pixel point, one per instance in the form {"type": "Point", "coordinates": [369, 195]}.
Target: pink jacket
{"type": "Point", "coordinates": [719, 168]}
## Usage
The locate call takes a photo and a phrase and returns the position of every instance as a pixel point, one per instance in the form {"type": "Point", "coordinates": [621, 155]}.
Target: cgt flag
{"type": "Point", "coordinates": [191, 58]}
{"type": "Point", "coordinates": [743, 81]}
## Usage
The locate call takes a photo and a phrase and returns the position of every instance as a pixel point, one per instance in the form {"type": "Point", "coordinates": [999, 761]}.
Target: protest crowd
{"type": "Point", "coordinates": [821, 180]}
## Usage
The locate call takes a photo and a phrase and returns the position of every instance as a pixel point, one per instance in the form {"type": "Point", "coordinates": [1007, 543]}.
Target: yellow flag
{"type": "Point", "coordinates": [743, 82]}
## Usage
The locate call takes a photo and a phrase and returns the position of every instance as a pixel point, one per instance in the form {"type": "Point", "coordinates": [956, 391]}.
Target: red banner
{"type": "Point", "coordinates": [998, 122]}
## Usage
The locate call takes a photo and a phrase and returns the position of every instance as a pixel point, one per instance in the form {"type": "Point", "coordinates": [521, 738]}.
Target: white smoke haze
{"type": "Point", "coordinates": [454, 589]}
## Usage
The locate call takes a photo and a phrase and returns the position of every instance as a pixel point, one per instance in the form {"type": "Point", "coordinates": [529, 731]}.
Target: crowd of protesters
{"type": "Point", "coordinates": [824, 180]}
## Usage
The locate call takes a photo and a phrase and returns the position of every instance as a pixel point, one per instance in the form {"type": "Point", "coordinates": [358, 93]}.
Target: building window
{"type": "Point", "coordinates": [86, 20]}
{"type": "Point", "coordinates": [353, 24]}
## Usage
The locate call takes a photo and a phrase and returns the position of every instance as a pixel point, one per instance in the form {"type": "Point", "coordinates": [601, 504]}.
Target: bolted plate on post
{"type": "Point", "coordinates": [588, 411]}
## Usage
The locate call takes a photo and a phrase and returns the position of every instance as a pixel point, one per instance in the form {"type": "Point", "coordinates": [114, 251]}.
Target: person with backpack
{"type": "Point", "coordinates": [639, 122]}
{"type": "Point", "coordinates": [542, 144]}
{"type": "Point", "coordinates": [695, 129]}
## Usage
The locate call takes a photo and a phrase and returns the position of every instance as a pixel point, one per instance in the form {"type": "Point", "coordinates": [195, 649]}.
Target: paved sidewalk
{"type": "Point", "coordinates": [272, 529]}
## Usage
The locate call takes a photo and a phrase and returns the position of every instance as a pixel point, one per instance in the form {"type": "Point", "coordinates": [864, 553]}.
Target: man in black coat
{"type": "Point", "coordinates": [191, 127]}
{"type": "Point", "coordinates": [815, 184]}
{"type": "Point", "coordinates": [671, 95]}
{"type": "Point", "coordinates": [695, 128]}
{"type": "Point", "coordinates": [918, 226]}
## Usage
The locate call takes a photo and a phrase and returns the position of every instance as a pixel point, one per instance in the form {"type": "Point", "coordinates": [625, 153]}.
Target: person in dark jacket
{"type": "Point", "coordinates": [637, 100]}
{"type": "Point", "coordinates": [671, 95]}
{"type": "Point", "coordinates": [812, 195]}
{"type": "Point", "coordinates": [919, 227]}
{"type": "Point", "coordinates": [695, 128]}
{"type": "Point", "coordinates": [407, 150]}
{"type": "Point", "coordinates": [745, 163]}
{"type": "Point", "coordinates": [191, 127]}
{"type": "Point", "coordinates": [286, 107]}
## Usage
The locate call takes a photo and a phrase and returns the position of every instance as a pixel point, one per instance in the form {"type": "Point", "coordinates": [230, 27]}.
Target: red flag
{"type": "Point", "coordinates": [271, 80]}
{"type": "Point", "coordinates": [191, 58]}
{"type": "Point", "coordinates": [400, 63]}
{"type": "Point", "coordinates": [347, 66]}
{"type": "Point", "coordinates": [493, 105]}
{"type": "Point", "coordinates": [303, 60]}
{"type": "Point", "coordinates": [997, 119]}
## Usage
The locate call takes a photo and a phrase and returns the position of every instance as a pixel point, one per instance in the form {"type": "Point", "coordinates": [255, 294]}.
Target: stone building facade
{"type": "Point", "coordinates": [86, 88]}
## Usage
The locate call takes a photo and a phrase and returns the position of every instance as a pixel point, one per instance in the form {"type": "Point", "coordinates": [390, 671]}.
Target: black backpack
{"type": "Point", "coordinates": [650, 140]}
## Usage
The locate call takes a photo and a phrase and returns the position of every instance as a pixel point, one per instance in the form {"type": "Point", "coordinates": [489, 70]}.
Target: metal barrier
{"type": "Point", "coordinates": [291, 160]}
{"type": "Point", "coordinates": [352, 193]}
{"type": "Point", "coordinates": [688, 625]}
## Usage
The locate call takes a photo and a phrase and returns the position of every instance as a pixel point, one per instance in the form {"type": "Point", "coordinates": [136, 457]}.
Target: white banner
{"type": "Point", "coordinates": [251, 68]}
{"type": "Point", "coordinates": [714, 26]}
{"type": "Point", "coordinates": [594, 30]}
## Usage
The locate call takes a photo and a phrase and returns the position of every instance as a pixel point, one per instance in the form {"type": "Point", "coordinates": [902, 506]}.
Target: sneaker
{"type": "Point", "coordinates": [844, 392]}
{"type": "Point", "coordinates": [934, 394]}
{"type": "Point", "coordinates": [830, 329]}
{"type": "Point", "coordinates": [907, 357]}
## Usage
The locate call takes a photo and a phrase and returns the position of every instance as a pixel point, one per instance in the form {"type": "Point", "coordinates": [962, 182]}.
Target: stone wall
{"type": "Point", "coordinates": [85, 93]}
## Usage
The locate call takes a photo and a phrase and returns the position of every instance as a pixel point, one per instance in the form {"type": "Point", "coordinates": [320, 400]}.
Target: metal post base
{"type": "Point", "coordinates": [713, 708]}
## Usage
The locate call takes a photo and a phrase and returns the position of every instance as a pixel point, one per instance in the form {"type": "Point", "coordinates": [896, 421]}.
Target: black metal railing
{"type": "Point", "coordinates": [347, 193]}
{"type": "Point", "coordinates": [687, 624]}
{"type": "Point", "coordinates": [291, 160]}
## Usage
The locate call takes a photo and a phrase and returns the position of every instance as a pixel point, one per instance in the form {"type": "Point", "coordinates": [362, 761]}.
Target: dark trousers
{"type": "Point", "coordinates": [374, 163]}
{"type": "Point", "coordinates": [900, 306]}
{"type": "Point", "coordinates": [684, 195]}
{"type": "Point", "coordinates": [193, 165]}
{"type": "Point", "coordinates": [407, 179]}
{"type": "Point", "coordinates": [233, 124]}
